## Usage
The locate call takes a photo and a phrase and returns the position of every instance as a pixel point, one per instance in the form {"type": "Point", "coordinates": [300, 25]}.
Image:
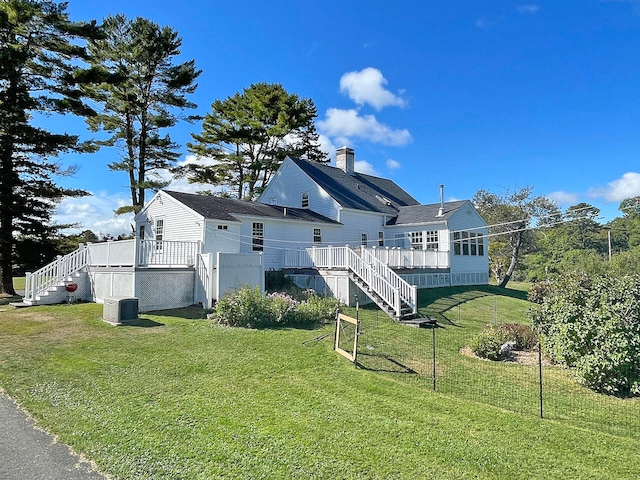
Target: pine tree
{"type": "Point", "coordinates": [150, 97]}
{"type": "Point", "coordinates": [248, 136]}
{"type": "Point", "coordinates": [40, 50]}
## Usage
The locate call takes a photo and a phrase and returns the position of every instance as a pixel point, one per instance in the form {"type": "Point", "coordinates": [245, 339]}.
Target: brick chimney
{"type": "Point", "coordinates": [345, 159]}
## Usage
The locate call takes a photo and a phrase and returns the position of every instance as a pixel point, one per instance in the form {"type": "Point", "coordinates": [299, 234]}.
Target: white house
{"type": "Point", "coordinates": [330, 228]}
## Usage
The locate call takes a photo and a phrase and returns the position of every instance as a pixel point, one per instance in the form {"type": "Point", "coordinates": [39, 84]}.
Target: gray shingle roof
{"type": "Point", "coordinates": [221, 208]}
{"type": "Point", "coordinates": [357, 191]}
{"type": "Point", "coordinates": [425, 213]}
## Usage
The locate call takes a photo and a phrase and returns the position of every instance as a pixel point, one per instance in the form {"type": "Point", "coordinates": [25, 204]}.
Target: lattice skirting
{"type": "Point", "coordinates": [158, 290]}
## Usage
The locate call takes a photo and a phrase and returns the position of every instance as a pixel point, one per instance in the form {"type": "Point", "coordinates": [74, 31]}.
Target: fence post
{"type": "Point", "coordinates": [433, 340]}
{"type": "Point", "coordinates": [540, 375]}
{"type": "Point", "coordinates": [397, 302]}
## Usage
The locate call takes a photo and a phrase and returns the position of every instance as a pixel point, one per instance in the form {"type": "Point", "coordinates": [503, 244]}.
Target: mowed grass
{"type": "Point", "coordinates": [180, 398]}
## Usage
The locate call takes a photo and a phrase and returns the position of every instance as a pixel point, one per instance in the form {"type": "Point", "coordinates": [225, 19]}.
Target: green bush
{"type": "Point", "coordinates": [248, 307]}
{"type": "Point", "coordinates": [523, 335]}
{"type": "Point", "coordinates": [592, 325]}
{"type": "Point", "coordinates": [538, 291]}
{"type": "Point", "coordinates": [487, 344]}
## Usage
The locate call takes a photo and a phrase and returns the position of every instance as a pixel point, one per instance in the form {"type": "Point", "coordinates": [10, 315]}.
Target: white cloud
{"type": "Point", "coordinates": [343, 125]}
{"type": "Point", "coordinates": [326, 145]}
{"type": "Point", "coordinates": [486, 23]}
{"type": "Point", "coordinates": [368, 87]}
{"type": "Point", "coordinates": [626, 186]}
{"type": "Point", "coordinates": [393, 164]}
{"type": "Point", "coordinates": [363, 166]}
{"type": "Point", "coordinates": [563, 198]}
{"type": "Point", "coordinates": [95, 213]}
{"type": "Point", "coordinates": [182, 184]}
{"type": "Point", "coordinates": [529, 9]}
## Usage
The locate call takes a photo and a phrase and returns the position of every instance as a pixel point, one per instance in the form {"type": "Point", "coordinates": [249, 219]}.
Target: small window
{"type": "Point", "coordinates": [317, 235]}
{"type": "Point", "coordinates": [416, 240]}
{"type": "Point", "coordinates": [456, 243]}
{"type": "Point", "coordinates": [305, 200]}
{"type": "Point", "coordinates": [480, 245]}
{"type": "Point", "coordinates": [363, 239]}
{"type": "Point", "coordinates": [465, 243]}
{"type": "Point", "coordinates": [398, 240]}
{"type": "Point", "coordinates": [472, 239]}
{"type": "Point", "coordinates": [431, 240]}
{"type": "Point", "coordinates": [141, 234]}
{"type": "Point", "coordinates": [223, 227]}
{"type": "Point", "coordinates": [381, 239]}
{"type": "Point", "coordinates": [273, 201]}
{"type": "Point", "coordinates": [159, 233]}
{"type": "Point", "coordinates": [257, 237]}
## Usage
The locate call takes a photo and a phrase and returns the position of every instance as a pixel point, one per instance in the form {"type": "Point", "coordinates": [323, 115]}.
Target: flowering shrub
{"type": "Point", "coordinates": [248, 307]}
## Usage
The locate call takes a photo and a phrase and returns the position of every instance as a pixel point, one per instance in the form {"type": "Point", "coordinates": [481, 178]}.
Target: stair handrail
{"type": "Point", "coordinates": [54, 273]}
{"type": "Point", "coordinates": [408, 292]}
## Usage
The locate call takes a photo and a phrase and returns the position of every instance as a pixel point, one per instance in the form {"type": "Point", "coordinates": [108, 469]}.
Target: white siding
{"type": "Point", "coordinates": [357, 222]}
{"type": "Point", "coordinates": [288, 185]}
{"type": "Point", "coordinates": [443, 235]}
{"type": "Point", "coordinates": [226, 240]}
{"type": "Point", "coordinates": [280, 235]}
{"type": "Point", "coordinates": [180, 222]}
{"type": "Point", "coordinates": [466, 218]}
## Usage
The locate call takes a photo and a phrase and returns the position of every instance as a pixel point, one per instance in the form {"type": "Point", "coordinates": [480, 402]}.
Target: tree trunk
{"type": "Point", "coordinates": [514, 260]}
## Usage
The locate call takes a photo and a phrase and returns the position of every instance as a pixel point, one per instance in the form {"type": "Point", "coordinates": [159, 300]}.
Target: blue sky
{"type": "Point", "coordinates": [470, 94]}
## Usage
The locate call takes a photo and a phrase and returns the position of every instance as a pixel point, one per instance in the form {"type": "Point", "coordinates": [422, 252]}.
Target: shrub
{"type": "Point", "coordinates": [487, 344]}
{"type": "Point", "coordinates": [592, 325]}
{"type": "Point", "coordinates": [523, 335]}
{"type": "Point", "coordinates": [317, 309]}
{"type": "Point", "coordinates": [245, 307]}
{"type": "Point", "coordinates": [539, 291]}
{"type": "Point", "coordinates": [248, 307]}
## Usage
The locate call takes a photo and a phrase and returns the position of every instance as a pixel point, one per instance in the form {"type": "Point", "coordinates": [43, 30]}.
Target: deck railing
{"type": "Point", "coordinates": [334, 257]}
{"type": "Point", "coordinates": [393, 290]}
{"type": "Point", "coordinates": [155, 253]}
{"type": "Point", "coordinates": [55, 273]}
{"type": "Point", "coordinates": [410, 258]}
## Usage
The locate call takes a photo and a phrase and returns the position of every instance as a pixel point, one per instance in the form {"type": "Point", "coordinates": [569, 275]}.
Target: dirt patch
{"type": "Point", "coordinates": [515, 356]}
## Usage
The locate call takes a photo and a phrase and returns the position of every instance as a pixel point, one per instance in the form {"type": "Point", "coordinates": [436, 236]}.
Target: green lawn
{"type": "Point", "coordinates": [19, 282]}
{"type": "Point", "coordinates": [180, 398]}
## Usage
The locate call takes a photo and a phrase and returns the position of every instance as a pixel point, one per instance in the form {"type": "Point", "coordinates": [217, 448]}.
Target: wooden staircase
{"type": "Point", "coordinates": [47, 285]}
{"type": "Point", "coordinates": [382, 285]}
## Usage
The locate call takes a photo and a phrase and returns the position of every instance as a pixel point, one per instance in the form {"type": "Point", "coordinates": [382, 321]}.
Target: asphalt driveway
{"type": "Point", "coordinates": [29, 453]}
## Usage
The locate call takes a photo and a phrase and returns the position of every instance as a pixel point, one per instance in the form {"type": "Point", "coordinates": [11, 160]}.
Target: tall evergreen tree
{"type": "Point", "coordinates": [151, 97]}
{"type": "Point", "coordinates": [40, 50]}
{"type": "Point", "coordinates": [249, 134]}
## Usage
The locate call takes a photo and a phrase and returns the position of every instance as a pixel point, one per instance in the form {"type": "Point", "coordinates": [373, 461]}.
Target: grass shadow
{"type": "Point", "coordinates": [145, 323]}
{"type": "Point", "coordinates": [7, 299]}
{"type": "Point", "coordinates": [382, 363]}
{"type": "Point", "coordinates": [434, 302]}
{"type": "Point", "coordinates": [194, 312]}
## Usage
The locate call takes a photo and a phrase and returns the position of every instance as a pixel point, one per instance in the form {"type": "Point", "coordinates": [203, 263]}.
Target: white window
{"type": "Point", "coordinates": [273, 201]}
{"type": "Point", "coordinates": [363, 239]}
{"type": "Point", "coordinates": [480, 245]}
{"type": "Point", "coordinates": [223, 227]}
{"type": "Point", "coordinates": [317, 235]}
{"type": "Point", "coordinates": [473, 244]}
{"type": "Point", "coordinates": [257, 238]}
{"type": "Point", "coordinates": [305, 200]}
{"type": "Point", "coordinates": [159, 233]}
{"type": "Point", "coordinates": [141, 234]}
{"type": "Point", "coordinates": [457, 250]}
{"type": "Point", "coordinates": [416, 240]}
{"type": "Point", "coordinates": [465, 243]}
{"type": "Point", "coordinates": [381, 239]}
{"type": "Point", "coordinates": [398, 240]}
{"type": "Point", "coordinates": [431, 240]}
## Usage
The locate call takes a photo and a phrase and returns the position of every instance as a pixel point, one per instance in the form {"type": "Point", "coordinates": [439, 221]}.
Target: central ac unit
{"type": "Point", "coordinates": [120, 310]}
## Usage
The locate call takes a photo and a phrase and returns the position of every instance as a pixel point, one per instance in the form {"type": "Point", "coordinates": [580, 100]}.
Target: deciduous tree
{"type": "Point", "coordinates": [511, 216]}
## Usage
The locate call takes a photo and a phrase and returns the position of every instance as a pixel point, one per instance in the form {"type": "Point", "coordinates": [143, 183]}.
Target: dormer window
{"type": "Point", "coordinates": [305, 200]}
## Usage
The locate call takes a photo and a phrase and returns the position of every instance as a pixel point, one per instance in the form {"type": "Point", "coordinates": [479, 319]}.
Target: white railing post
{"type": "Point", "coordinates": [414, 294]}
{"type": "Point", "coordinates": [398, 303]}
